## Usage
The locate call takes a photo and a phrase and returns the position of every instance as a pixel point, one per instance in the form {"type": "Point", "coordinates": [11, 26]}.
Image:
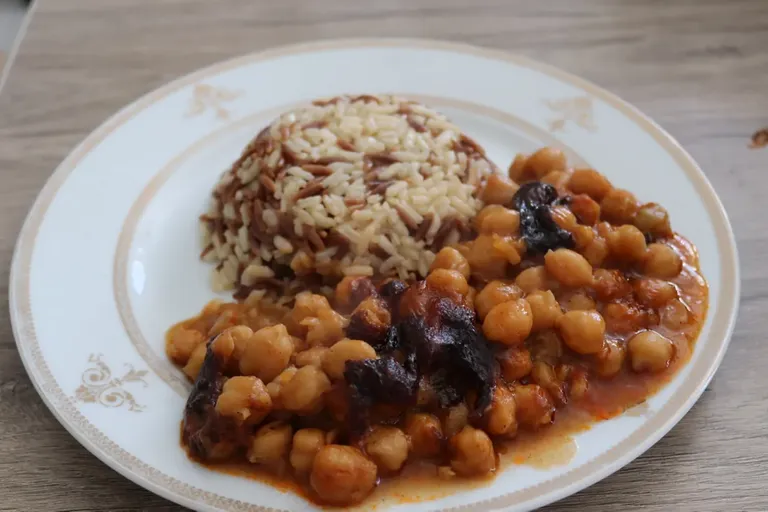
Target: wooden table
{"type": "Point", "coordinates": [699, 67]}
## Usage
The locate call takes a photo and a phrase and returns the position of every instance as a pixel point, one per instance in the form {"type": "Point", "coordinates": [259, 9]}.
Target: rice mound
{"type": "Point", "coordinates": [365, 185]}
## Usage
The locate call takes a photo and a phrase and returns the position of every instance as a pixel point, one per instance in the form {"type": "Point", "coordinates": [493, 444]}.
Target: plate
{"type": "Point", "coordinates": [107, 258]}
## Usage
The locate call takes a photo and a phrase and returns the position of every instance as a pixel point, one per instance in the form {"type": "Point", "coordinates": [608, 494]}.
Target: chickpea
{"type": "Point", "coordinates": [370, 320]}
{"type": "Point", "coordinates": [451, 259]}
{"type": "Point", "coordinates": [654, 219]}
{"type": "Point", "coordinates": [302, 264]}
{"type": "Point", "coordinates": [623, 318]}
{"type": "Point", "coordinates": [227, 319]}
{"type": "Point", "coordinates": [306, 443]}
{"type": "Point", "coordinates": [534, 406]}
{"type": "Point", "coordinates": [425, 433]}
{"type": "Point", "coordinates": [675, 314]}
{"type": "Point", "coordinates": [212, 307]}
{"type": "Point", "coordinates": [627, 243]}
{"type": "Point", "coordinates": [649, 351]}
{"type": "Point", "coordinates": [583, 331]}
{"type": "Point", "coordinates": [485, 260]}
{"type": "Point", "coordinates": [662, 261]}
{"type": "Point", "coordinates": [311, 357]}
{"type": "Point", "coordinates": [387, 447]}
{"type": "Point", "coordinates": [563, 217]}
{"type": "Point", "coordinates": [610, 284]}
{"type": "Point", "coordinates": [589, 182]}
{"type": "Point", "coordinates": [604, 229]}
{"type": "Point", "coordinates": [275, 388]}
{"type": "Point", "coordinates": [232, 341]}
{"type": "Point", "coordinates": [352, 290]}
{"type": "Point", "coordinates": [307, 304]}
{"type": "Point", "coordinates": [544, 161]}
{"type": "Point", "coordinates": [509, 322]}
{"type": "Point", "coordinates": [195, 362]}
{"type": "Point", "coordinates": [342, 475]}
{"type": "Point", "coordinates": [558, 179]}
{"type": "Point", "coordinates": [312, 318]}
{"type": "Point", "coordinates": [619, 206]}
{"type": "Point", "coordinates": [472, 453]}
{"type": "Point", "coordinates": [448, 281]}
{"type": "Point", "coordinates": [303, 394]}
{"type": "Point", "coordinates": [269, 446]}
{"type": "Point", "coordinates": [515, 363]}
{"type": "Point", "coordinates": [509, 247]}
{"type": "Point", "coordinates": [456, 419]}
{"type": "Point", "coordinates": [325, 329]}
{"type": "Point", "coordinates": [482, 214]}
{"type": "Point", "coordinates": [579, 301]}
{"type": "Point", "coordinates": [182, 342]}
{"type": "Point", "coordinates": [261, 313]}
{"type": "Point", "coordinates": [596, 251]}
{"type": "Point", "coordinates": [343, 351]}
{"type": "Point", "coordinates": [267, 353]}
{"type": "Point", "coordinates": [500, 221]}
{"type": "Point", "coordinates": [532, 279]}
{"type": "Point", "coordinates": [609, 361]}
{"type": "Point", "coordinates": [568, 267]}
{"type": "Point", "coordinates": [545, 308]}
{"type": "Point", "coordinates": [498, 190]}
{"type": "Point", "coordinates": [299, 345]}
{"type": "Point", "coordinates": [586, 209]}
{"type": "Point", "coordinates": [500, 419]}
{"type": "Point", "coordinates": [495, 293]}
{"type": "Point", "coordinates": [544, 375]}
{"type": "Point", "coordinates": [583, 236]}
{"type": "Point", "coordinates": [578, 384]}
{"type": "Point", "coordinates": [223, 347]}
{"type": "Point", "coordinates": [517, 167]}
{"type": "Point", "coordinates": [244, 399]}
{"type": "Point", "coordinates": [654, 293]}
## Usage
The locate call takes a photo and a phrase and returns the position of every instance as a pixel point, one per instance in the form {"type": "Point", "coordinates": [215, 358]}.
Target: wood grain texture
{"type": "Point", "coordinates": [698, 67]}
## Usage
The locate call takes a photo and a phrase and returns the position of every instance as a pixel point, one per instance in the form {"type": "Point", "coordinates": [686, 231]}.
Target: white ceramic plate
{"type": "Point", "coordinates": [107, 258]}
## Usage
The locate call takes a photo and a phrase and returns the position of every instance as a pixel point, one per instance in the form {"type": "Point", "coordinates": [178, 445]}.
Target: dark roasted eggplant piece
{"type": "Point", "coordinates": [378, 381]}
{"type": "Point", "coordinates": [208, 435]}
{"type": "Point", "coordinates": [437, 337]}
{"type": "Point", "coordinates": [539, 231]}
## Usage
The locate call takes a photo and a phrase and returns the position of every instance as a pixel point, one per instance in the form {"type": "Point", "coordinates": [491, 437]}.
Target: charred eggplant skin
{"type": "Point", "coordinates": [539, 231]}
{"type": "Point", "coordinates": [203, 429]}
{"type": "Point", "coordinates": [436, 338]}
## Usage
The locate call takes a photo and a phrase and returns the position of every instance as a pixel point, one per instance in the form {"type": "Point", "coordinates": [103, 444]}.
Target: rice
{"type": "Point", "coordinates": [365, 185]}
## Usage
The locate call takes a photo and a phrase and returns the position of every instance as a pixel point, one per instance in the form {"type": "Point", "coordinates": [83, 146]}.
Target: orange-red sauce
{"type": "Point", "coordinates": [547, 447]}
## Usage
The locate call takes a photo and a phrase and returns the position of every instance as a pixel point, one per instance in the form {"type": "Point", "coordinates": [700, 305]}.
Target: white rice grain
{"type": "Point", "coordinates": [417, 161]}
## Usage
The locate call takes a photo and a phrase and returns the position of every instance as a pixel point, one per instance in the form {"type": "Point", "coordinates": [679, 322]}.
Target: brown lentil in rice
{"type": "Point", "coordinates": [365, 185]}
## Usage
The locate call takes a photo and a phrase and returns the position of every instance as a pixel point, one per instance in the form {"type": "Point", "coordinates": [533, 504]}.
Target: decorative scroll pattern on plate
{"type": "Point", "coordinates": [99, 387]}
{"type": "Point", "coordinates": [577, 110]}
{"type": "Point", "coordinates": [207, 97]}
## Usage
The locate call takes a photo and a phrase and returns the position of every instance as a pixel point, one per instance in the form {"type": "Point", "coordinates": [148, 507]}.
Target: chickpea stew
{"type": "Point", "coordinates": [569, 298]}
